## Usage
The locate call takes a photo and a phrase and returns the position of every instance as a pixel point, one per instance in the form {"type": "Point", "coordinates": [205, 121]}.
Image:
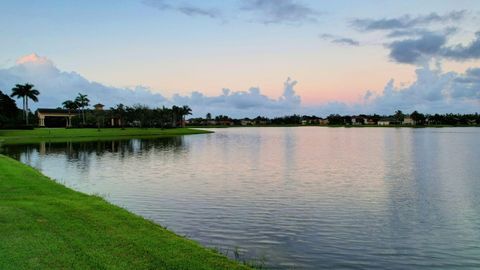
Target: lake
{"type": "Point", "coordinates": [294, 198]}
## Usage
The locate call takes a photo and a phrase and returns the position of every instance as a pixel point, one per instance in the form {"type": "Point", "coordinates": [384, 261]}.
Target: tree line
{"type": "Point", "coordinates": [397, 117]}
{"type": "Point", "coordinates": [137, 115]}
{"type": "Point", "coordinates": [10, 115]}
{"type": "Point", "coordinates": [144, 116]}
{"type": "Point", "coordinates": [83, 116]}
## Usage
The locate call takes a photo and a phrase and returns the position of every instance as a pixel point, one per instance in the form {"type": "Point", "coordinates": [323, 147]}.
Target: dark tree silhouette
{"type": "Point", "coordinates": [26, 92]}
{"type": "Point", "coordinates": [82, 101]}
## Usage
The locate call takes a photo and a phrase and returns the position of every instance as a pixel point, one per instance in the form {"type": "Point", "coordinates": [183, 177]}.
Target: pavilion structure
{"type": "Point", "coordinates": [46, 114]}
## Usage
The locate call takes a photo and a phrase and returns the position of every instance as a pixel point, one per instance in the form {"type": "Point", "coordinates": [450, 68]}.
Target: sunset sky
{"type": "Point", "coordinates": [339, 52]}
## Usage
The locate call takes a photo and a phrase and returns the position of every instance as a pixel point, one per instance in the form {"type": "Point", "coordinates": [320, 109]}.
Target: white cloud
{"type": "Point", "coordinates": [56, 86]}
{"type": "Point", "coordinates": [433, 91]}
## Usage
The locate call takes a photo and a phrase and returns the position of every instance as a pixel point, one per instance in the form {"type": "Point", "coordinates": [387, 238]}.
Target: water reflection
{"type": "Point", "coordinates": [305, 198]}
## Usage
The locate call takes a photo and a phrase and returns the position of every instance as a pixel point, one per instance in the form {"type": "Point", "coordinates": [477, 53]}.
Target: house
{"type": "Point", "coordinates": [387, 121]}
{"type": "Point", "coordinates": [98, 107]}
{"type": "Point", "coordinates": [261, 122]}
{"type": "Point", "coordinates": [409, 121]}
{"type": "Point", "coordinates": [356, 121]}
{"type": "Point", "coordinates": [211, 122]}
{"type": "Point", "coordinates": [323, 122]}
{"type": "Point", "coordinates": [246, 122]}
{"type": "Point", "coordinates": [225, 122]}
{"type": "Point", "coordinates": [48, 117]}
{"type": "Point", "coordinates": [369, 121]}
{"type": "Point", "coordinates": [312, 121]}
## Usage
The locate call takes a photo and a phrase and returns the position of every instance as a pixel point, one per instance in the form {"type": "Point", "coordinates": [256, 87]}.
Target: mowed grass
{"type": "Point", "coordinates": [74, 134]}
{"type": "Point", "coordinates": [44, 225]}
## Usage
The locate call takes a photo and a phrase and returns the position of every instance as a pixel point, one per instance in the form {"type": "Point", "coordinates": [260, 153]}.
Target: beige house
{"type": "Point", "coordinates": [409, 121]}
{"type": "Point", "coordinates": [387, 122]}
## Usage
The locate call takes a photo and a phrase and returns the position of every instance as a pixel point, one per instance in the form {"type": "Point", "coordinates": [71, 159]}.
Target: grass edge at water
{"type": "Point", "coordinates": [47, 225]}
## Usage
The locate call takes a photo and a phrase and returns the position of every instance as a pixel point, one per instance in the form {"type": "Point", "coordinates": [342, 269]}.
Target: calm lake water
{"type": "Point", "coordinates": [301, 198]}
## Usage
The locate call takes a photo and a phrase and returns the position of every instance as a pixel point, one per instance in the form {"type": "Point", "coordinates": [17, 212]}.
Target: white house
{"type": "Point", "coordinates": [409, 121]}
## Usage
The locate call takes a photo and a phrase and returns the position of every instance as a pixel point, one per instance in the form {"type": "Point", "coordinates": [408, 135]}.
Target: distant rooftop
{"type": "Point", "coordinates": [46, 110]}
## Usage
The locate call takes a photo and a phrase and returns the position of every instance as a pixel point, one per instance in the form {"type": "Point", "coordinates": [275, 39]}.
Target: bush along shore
{"type": "Point", "coordinates": [45, 225]}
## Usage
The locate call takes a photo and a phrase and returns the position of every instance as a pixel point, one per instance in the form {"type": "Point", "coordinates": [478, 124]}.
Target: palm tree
{"type": "Point", "coordinates": [120, 112]}
{"type": "Point", "coordinates": [25, 92]}
{"type": "Point", "coordinates": [70, 105]}
{"type": "Point", "coordinates": [186, 110]}
{"type": "Point", "coordinates": [82, 101]}
{"type": "Point", "coordinates": [175, 111]}
{"type": "Point", "coordinates": [399, 116]}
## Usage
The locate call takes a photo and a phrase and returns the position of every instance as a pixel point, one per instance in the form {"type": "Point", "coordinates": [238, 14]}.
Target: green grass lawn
{"type": "Point", "coordinates": [74, 134]}
{"type": "Point", "coordinates": [44, 225]}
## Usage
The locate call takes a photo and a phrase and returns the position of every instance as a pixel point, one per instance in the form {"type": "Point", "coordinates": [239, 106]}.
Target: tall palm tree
{"type": "Point", "coordinates": [120, 112]}
{"type": "Point", "coordinates": [176, 111]}
{"type": "Point", "coordinates": [26, 92]}
{"type": "Point", "coordinates": [186, 110]}
{"type": "Point", "coordinates": [82, 101]}
{"type": "Point", "coordinates": [70, 105]}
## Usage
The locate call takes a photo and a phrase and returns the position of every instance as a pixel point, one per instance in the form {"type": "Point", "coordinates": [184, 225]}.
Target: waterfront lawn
{"type": "Point", "coordinates": [45, 225]}
{"type": "Point", "coordinates": [78, 134]}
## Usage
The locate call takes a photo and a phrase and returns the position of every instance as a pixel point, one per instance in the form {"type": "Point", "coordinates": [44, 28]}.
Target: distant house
{"type": "Point", "coordinates": [323, 122]}
{"type": "Point", "coordinates": [387, 121]}
{"type": "Point", "coordinates": [261, 122]}
{"type": "Point", "coordinates": [246, 122]}
{"type": "Point", "coordinates": [211, 122]}
{"type": "Point", "coordinates": [356, 121]}
{"type": "Point", "coordinates": [225, 122]}
{"type": "Point", "coordinates": [98, 107]}
{"type": "Point", "coordinates": [409, 121]}
{"type": "Point", "coordinates": [369, 121]}
{"type": "Point", "coordinates": [313, 121]}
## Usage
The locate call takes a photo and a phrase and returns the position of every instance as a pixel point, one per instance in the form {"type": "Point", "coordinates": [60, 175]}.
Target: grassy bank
{"type": "Point", "coordinates": [45, 225]}
{"type": "Point", "coordinates": [62, 134]}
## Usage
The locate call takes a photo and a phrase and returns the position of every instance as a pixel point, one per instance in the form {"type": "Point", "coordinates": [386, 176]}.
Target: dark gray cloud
{"type": "Point", "coordinates": [340, 40]}
{"type": "Point", "coordinates": [280, 11]}
{"type": "Point", "coordinates": [429, 45]}
{"type": "Point", "coordinates": [406, 21]}
{"type": "Point", "coordinates": [412, 51]}
{"type": "Point", "coordinates": [346, 41]}
{"type": "Point", "coordinates": [184, 8]}
{"type": "Point", "coordinates": [195, 11]}
{"type": "Point", "coordinates": [414, 39]}
{"type": "Point", "coordinates": [462, 52]}
{"type": "Point", "coordinates": [416, 32]}
{"type": "Point", "coordinates": [467, 85]}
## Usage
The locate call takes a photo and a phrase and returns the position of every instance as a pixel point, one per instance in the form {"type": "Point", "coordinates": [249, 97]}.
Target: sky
{"type": "Point", "coordinates": [247, 58]}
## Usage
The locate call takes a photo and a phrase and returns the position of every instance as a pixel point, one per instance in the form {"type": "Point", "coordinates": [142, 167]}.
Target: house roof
{"type": "Point", "coordinates": [389, 119]}
{"type": "Point", "coordinates": [46, 110]}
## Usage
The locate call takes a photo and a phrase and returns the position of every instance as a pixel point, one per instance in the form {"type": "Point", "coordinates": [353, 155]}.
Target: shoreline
{"type": "Point", "coordinates": [89, 134]}
{"type": "Point", "coordinates": [339, 126]}
{"type": "Point", "coordinates": [47, 225]}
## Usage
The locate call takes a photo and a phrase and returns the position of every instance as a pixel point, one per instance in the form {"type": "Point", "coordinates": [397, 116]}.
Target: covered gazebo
{"type": "Point", "coordinates": [56, 117]}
